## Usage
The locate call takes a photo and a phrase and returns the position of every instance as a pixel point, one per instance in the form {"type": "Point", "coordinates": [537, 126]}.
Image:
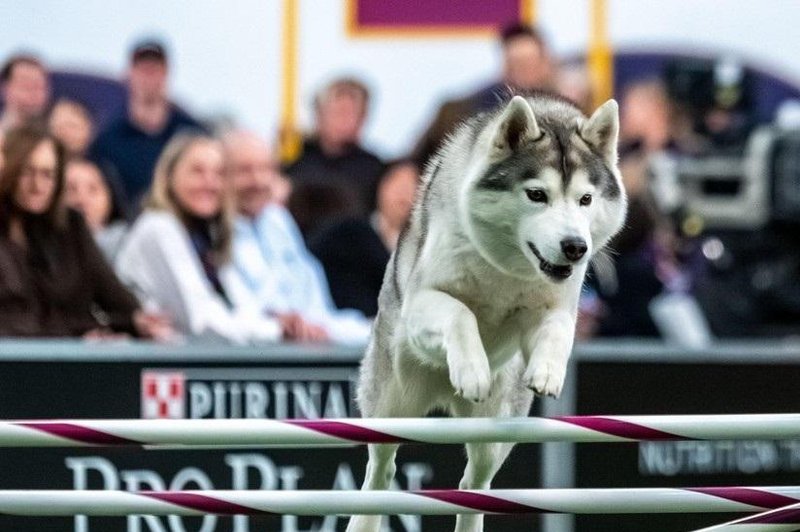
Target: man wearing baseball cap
{"type": "Point", "coordinates": [129, 147]}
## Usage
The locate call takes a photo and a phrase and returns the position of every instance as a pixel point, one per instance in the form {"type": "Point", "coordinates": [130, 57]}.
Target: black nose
{"type": "Point", "coordinates": [574, 248]}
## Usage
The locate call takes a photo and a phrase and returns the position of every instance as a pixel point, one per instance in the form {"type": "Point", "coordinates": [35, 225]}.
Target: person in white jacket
{"type": "Point", "coordinates": [269, 253]}
{"type": "Point", "coordinates": [177, 255]}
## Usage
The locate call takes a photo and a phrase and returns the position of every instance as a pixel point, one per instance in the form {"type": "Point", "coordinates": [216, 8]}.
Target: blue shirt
{"type": "Point", "coordinates": [272, 260]}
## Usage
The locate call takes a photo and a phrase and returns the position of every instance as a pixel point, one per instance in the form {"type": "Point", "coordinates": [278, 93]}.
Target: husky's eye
{"type": "Point", "coordinates": [536, 195]}
{"type": "Point", "coordinates": [586, 200]}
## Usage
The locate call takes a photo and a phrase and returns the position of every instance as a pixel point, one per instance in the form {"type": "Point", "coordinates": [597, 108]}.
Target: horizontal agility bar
{"type": "Point", "coordinates": [322, 432]}
{"type": "Point", "coordinates": [423, 502]}
{"type": "Point", "coordinates": [786, 519]}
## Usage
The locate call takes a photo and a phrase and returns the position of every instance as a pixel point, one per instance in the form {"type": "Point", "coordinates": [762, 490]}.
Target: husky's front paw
{"type": "Point", "coordinates": [545, 375]}
{"type": "Point", "coordinates": [471, 377]}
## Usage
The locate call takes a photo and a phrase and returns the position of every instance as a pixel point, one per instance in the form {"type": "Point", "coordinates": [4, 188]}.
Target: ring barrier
{"type": "Point", "coordinates": [779, 505]}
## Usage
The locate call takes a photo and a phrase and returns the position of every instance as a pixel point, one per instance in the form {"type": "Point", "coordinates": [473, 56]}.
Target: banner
{"type": "Point", "coordinates": [279, 389]}
{"type": "Point", "coordinates": [434, 17]}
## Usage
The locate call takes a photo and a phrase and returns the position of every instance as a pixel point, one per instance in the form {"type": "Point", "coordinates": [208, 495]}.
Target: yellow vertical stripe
{"type": "Point", "coordinates": [290, 140]}
{"type": "Point", "coordinates": [600, 57]}
{"type": "Point", "coordinates": [528, 11]}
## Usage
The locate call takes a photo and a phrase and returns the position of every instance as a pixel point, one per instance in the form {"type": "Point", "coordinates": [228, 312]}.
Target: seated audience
{"type": "Point", "coordinates": [71, 122]}
{"type": "Point", "coordinates": [177, 254]}
{"type": "Point", "coordinates": [25, 89]}
{"type": "Point", "coordinates": [269, 253]}
{"type": "Point", "coordinates": [88, 192]}
{"type": "Point", "coordinates": [334, 175]}
{"type": "Point", "coordinates": [53, 279]}
{"type": "Point", "coordinates": [128, 148]}
{"type": "Point", "coordinates": [355, 252]}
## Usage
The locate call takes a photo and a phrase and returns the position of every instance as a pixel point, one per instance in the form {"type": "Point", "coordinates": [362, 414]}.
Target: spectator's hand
{"type": "Point", "coordinates": [104, 334]}
{"type": "Point", "coordinates": [297, 329]}
{"type": "Point", "coordinates": [153, 325]}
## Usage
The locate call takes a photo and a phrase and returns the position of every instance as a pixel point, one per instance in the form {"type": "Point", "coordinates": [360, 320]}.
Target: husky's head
{"type": "Point", "coordinates": [545, 193]}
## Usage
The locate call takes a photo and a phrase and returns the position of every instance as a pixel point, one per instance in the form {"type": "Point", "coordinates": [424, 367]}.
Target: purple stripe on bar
{"type": "Point", "coordinates": [761, 499]}
{"type": "Point", "coordinates": [78, 433]}
{"type": "Point", "coordinates": [480, 502]}
{"type": "Point", "coordinates": [348, 431]}
{"type": "Point", "coordinates": [203, 503]}
{"type": "Point", "coordinates": [622, 429]}
{"type": "Point", "coordinates": [789, 516]}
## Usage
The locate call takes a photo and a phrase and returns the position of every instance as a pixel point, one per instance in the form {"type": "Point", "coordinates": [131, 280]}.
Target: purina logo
{"type": "Point", "coordinates": [265, 393]}
{"type": "Point", "coordinates": [163, 395]}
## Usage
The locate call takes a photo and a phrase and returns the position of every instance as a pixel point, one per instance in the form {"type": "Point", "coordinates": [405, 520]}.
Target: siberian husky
{"type": "Point", "coordinates": [478, 305]}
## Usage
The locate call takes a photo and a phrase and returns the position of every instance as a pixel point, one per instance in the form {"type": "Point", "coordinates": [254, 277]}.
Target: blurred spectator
{"type": "Point", "coordinates": [355, 252]}
{"type": "Point", "coordinates": [269, 252]}
{"type": "Point", "coordinates": [2, 157]}
{"type": "Point", "coordinates": [25, 88]}
{"type": "Point", "coordinates": [573, 83]}
{"type": "Point", "coordinates": [639, 267]}
{"type": "Point", "coordinates": [650, 121]}
{"type": "Point", "coordinates": [177, 254]}
{"type": "Point", "coordinates": [128, 148]}
{"type": "Point", "coordinates": [71, 122]}
{"type": "Point", "coordinates": [334, 175]}
{"type": "Point", "coordinates": [88, 192]}
{"type": "Point", "coordinates": [526, 67]}
{"type": "Point", "coordinates": [54, 280]}
{"type": "Point", "coordinates": [645, 117]}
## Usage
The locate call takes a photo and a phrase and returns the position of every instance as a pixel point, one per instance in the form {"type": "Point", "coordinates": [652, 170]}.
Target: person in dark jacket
{"type": "Point", "coordinates": [335, 177]}
{"type": "Point", "coordinates": [127, 150]}
{"type": "Point", "coordinates": [355, 252]}
{"type": "Point", "coordinates": [527, 67]}
{"type": "Point", "coordinates": [53, 279]}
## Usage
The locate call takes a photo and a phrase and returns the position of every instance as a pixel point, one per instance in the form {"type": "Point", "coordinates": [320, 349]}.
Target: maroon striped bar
{"type": "Point", "coordinates": [78, 433]}
{"type": "Point", "coordinates": [788, 516]}
{"type": "Point", "coordinates": [347, 431]}
{"type": "Point", "coordinates": [760, 499]}
{"type": "Point", "coordinates": [203, 503]}
{"type": "Point", "coordinates": [621, 429]}
{"type": "Point", "coordinates": [480, 502]}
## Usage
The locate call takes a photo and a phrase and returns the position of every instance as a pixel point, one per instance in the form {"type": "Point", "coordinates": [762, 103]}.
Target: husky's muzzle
{"type": "Point", "coordinates": [557, 272]}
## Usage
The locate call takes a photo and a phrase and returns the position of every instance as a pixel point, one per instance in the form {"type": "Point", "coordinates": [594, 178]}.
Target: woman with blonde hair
{"type": "Point", "coordinates": [176, 256]}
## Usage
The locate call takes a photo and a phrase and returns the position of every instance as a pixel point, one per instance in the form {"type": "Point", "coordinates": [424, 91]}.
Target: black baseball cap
{"type": "Point", "coordinates": [149, 49]}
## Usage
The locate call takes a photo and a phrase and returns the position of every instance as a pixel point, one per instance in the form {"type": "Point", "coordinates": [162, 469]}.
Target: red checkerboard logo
{"type": "Point", "coordinates": [162, 395]}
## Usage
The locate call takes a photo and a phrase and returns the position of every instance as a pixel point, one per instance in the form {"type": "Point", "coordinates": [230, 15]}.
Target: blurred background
{"type": "Point", "coordinates": [228, 62]}
{"type": "Point", "coordinates": [198, 200]}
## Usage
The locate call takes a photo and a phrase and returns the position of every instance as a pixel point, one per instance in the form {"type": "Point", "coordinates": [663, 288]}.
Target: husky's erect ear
{"type": "Point", "coordinates": [601, 130]}
{"type": "Point", "coordinates": [517, 125]}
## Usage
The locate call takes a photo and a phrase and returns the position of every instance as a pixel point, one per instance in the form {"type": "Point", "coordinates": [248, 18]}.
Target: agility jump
{"type": "Point", "coordinates": [323, 432]}
{"type": "Point", "coordinates": [384, 502]}
{"type": "Point", "coordinates": [778, 505]}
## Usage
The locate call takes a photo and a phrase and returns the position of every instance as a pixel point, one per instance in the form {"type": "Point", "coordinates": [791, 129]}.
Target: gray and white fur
{"type": "Point", "coordinates": [479, 302]}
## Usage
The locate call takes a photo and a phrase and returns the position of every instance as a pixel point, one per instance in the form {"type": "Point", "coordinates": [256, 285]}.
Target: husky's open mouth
{"type": "Point", "coordinates": [557, 272]}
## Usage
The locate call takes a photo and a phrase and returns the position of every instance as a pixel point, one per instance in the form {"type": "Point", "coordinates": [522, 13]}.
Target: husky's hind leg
{"type": "Point", "coordinates": [485, 459]}
{"type": "Point", "coordinates": [394, 402]}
